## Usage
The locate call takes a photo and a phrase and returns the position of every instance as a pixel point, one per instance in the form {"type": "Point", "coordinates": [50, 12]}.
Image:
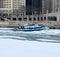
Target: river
{"type": "Point", "coordinates": [45, 43]}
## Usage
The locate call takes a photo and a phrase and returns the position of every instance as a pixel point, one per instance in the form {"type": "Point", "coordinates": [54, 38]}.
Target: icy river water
{"type": "Point", "coordinates": [45, 43]}
{"type": "Point", "coordinates": [52, 36]}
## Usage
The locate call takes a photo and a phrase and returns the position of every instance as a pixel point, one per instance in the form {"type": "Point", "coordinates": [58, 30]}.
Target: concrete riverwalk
{"type": "Point", "coordinates": [52, 25]}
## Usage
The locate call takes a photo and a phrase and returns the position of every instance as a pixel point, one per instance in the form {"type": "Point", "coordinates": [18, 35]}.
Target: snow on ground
{"type": "Point", "coordinates": [18, 48]}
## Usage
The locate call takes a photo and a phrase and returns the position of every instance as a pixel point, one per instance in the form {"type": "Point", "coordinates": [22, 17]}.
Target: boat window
{"type": "Point", "coordinates": [59, 28]}
{"type": "Point", "coordinates": [20, 19]}
{"type": "Point", "coordinates": [22, 26]}
{"type": "Point", "coordinates": [53, 27]}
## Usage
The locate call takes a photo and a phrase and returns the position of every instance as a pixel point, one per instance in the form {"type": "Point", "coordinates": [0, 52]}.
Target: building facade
{"type": "Point", "coordinates": [47, 6]}
{"type": "Point", "coordinates": [50, 6]}
{"type": "Point", "coordinates": [5, 6]}
{"type": "Point", "coordinates": [19, 7]}
{"type": "Point", "coordinates": [10, 6]}
{"type": "Point", "coordinates": [51, 12]}
{"type": "Point", "coordinates": [33, 7]}
{"type": "Point", "coordinates": [56, 5]}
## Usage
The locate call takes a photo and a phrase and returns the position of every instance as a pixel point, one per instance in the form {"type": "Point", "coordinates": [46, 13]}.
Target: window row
{"type": "Point", "coordinates": [31, 19]}
{"type": "Point", "coordinates": [36, 19]}
{"type": "Point", "coordinates": [27, 19]}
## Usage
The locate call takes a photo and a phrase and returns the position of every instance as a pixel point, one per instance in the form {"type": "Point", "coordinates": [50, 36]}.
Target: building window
{"type": "Point", "coordinates": [41, 18]}
{"type": "Point", "coordinates": [34, 19]}
{"type": "Point", "coordinates": [14, 19]}
{"type": "Point", "coordinates": [2, 19]}
{"type": "Point", "coordinates": [44, 18]}
{"type": "Point", "coordinates": [52, 18]}
{"type": "Point", "coordinates": [9, 18]}
{"type": "Point", "coordinates": [38, 19]}
{"type": "Point", "coordinates": [25, 19]}
{"type": "Point", "coordinates": [30, 19]}
{"type": "Point", "coordinates": [20, 19]}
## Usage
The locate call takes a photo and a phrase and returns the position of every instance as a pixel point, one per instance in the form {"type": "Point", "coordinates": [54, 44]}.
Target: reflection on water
{"type": "Point", "coordinates": [52, 36]}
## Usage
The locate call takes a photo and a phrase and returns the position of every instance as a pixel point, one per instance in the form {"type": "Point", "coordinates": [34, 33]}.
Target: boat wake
{"type": "Point", "coordinates": [52, 36]}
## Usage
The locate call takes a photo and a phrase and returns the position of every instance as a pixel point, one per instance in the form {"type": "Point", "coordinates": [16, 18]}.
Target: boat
{"type": "Point", "coordinates": [31, 27]}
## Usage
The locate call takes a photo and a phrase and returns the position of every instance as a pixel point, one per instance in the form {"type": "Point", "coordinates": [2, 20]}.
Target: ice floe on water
{"type": "Point", "coordinates": [40, 36]}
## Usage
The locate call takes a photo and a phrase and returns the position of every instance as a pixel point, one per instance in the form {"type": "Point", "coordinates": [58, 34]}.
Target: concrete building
{"type": "Point", "coordinates": [9, 6]}
{"type": "Point", "coordinates": [56, 5]}
{"type": "Point", "coordinates": [5, 6]}
{"type": "Point", "coordinates": [19, 7]}
{"type": "Point", "coordinates": [33, 7]}
{"type": "Point", "coordinates": [47, 6]}
{"type": "Point", "coordinates": [50, 6]}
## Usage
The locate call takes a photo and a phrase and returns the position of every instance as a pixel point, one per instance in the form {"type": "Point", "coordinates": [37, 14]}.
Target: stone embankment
{"type": "Point", "coordinates": [52, 25]}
